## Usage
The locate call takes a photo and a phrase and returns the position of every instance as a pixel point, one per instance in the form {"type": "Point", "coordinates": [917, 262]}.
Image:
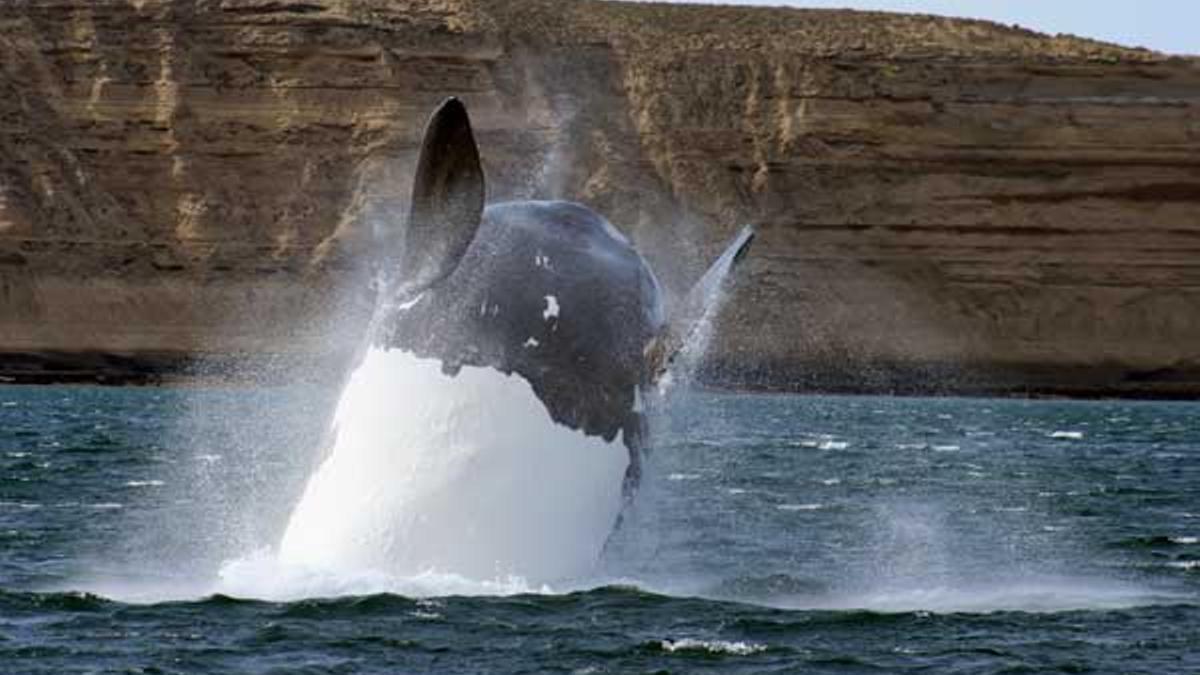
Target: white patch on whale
{"type": "Point", "coordinates": [463, 475]}
{"type": "Point", "coordinates": [551, 311]}
{"type": "Point", "coordinates": [531, 343]}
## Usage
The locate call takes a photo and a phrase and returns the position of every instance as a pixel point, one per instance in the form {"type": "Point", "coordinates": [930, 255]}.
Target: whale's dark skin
{"type": "Point", "coordinates": [552, 292]}
{"type": "Point", "coordinates": [548, 290]}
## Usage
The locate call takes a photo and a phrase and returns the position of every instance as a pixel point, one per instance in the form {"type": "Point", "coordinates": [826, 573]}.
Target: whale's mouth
{"type": "Point", "coordinates": [463, 475]}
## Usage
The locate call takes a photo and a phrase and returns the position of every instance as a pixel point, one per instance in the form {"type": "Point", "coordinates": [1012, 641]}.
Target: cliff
{"type": "Point", "coordinates": [943, 205]}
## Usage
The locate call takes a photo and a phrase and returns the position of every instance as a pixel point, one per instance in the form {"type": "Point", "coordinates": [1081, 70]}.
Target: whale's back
{"type": "Point", "coordinates": [553, 292]}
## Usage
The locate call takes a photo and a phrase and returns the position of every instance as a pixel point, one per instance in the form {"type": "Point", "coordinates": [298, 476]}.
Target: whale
{"type": "Point", "coordinates": [550, 291]}
{"type": "Point", "coordinates": [496, 424]}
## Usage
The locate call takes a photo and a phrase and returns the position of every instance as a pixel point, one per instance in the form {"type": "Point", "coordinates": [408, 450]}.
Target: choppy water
{"type": "Point", "coordinates": [774, 534]}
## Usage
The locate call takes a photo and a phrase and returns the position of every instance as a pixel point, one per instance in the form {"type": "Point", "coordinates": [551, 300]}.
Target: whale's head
{"type": "Point", "coordinates": [547, 290]}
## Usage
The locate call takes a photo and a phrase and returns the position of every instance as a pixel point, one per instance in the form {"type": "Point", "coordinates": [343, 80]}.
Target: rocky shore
{"type": "Point", "coordinates": [943, 206]}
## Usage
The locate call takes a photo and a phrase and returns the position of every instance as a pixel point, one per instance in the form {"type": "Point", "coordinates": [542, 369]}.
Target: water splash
{"type": "Point", "coordinates": [467, 476]}
{"type": "Point", "coordinates": [699, 311]}
{"type": "Point", "coordinates": [426, 485]}
{"type": "Point", "coordinates": [635, 550]}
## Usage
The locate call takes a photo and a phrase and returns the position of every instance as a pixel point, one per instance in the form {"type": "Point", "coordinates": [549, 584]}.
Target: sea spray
{"type": "Point", "coordinates": [701, 308]}
{"type": "Point", "coordinates": [635, 550]}
{"type": "Point", "coordinates": [467, 475]}
{"type": "Point", "coordinates": [433, 476]}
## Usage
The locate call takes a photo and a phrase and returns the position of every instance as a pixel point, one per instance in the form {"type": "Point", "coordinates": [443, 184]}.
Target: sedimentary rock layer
{"type": "Point", "coordinates": [942, 204]}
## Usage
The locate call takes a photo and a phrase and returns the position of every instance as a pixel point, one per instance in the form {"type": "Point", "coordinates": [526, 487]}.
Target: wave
{"type": "Point", "coordinates": [718, 647]}
{"type": "Point", "coordinates": [1156, 542]}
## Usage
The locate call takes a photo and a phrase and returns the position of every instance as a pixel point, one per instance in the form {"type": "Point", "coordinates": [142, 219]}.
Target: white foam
{"type": "Point", "coordinates": [264, 576]}
{"type": "Point", "coordinates": [800, 507]}
{"type": "Point", "coordinates": [712, 646]}
{"type": "Point", "coordinates": [1068, 435]}
{"type": "Point", "coordinates": [455, 477]}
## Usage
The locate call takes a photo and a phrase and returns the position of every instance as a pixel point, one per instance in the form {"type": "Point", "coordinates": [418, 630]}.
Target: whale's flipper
{"type": "Point", "coordinates": [447, 199]}
{"type": "Point", "coordinates": [689, 316]}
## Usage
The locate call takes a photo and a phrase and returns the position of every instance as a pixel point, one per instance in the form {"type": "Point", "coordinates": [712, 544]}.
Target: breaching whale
{"type": "Point", "coordinates": [548, 290]}
{"type": "Point", "coordinates": [522, 338]}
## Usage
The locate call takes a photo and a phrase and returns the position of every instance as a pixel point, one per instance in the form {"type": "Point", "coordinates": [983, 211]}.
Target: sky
{"type": "Point", "coordinates": [1171, 26]}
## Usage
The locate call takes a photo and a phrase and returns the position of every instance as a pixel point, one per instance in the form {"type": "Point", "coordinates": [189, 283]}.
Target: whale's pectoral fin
{"type": "Point", "coordinates": [447, 199]}
{"type": "Point", "coordinates": [691, 315]}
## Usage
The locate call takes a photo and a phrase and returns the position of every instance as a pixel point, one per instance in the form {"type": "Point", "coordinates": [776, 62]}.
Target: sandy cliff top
{"type": "Point", "coordinates": [817, 32]}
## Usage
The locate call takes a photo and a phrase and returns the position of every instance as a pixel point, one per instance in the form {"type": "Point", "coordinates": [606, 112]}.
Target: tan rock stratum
{"type": "Point", "coordinates": [942, 205]}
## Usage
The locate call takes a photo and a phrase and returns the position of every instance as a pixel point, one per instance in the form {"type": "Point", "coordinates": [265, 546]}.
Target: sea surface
{"type": "Point", "coordinates": [772, 534]}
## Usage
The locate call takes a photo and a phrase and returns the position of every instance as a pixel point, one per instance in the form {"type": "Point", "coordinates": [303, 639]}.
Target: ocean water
{"type": "Point", "coordinates": [141, 532]}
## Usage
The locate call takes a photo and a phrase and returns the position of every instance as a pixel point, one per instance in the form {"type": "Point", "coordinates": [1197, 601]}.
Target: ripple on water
{"type": "Point", "coordinates": [1156, 541]}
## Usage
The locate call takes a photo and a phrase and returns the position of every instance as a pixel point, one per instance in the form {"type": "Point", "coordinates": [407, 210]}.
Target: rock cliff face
{"type": "Point", "coordinates": [942, 204]}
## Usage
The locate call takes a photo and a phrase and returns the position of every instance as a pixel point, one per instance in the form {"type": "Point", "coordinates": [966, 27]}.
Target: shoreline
{"type": "Point", "coordinates": [178, 369]}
